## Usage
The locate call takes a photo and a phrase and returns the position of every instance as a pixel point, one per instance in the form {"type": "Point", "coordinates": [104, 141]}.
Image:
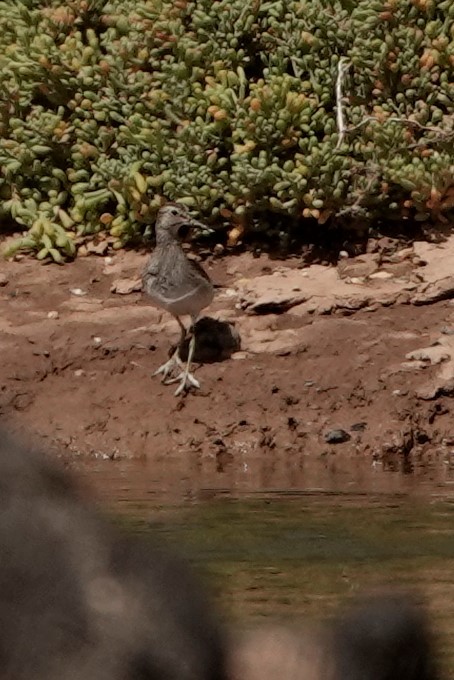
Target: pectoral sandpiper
{"type": "Point", "coordinates": [178, 285]}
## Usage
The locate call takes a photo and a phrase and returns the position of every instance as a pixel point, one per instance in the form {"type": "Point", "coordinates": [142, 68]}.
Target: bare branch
{"type": "Point", "coordinates": [343, 130]}
{"type": "Point", "coordinates": [342, 69]}
{"type": "Point", "coordinates": [442, 134]}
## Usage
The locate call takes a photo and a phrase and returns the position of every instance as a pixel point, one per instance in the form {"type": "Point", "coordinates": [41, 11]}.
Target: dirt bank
{"type": "Point", "coordinates": [354, 361]}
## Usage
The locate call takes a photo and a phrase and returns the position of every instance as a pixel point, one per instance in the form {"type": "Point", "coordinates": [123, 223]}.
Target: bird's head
{"type": "Point", "coordinates": [171, 219]}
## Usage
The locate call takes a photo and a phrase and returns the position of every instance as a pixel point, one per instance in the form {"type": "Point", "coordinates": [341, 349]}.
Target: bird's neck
{"type": "Point", "coordinates": [163, 238]}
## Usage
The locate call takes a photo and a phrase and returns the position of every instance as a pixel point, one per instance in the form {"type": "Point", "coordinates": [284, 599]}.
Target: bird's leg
{"type": "Point", "coordinates": [167, 368]}
{"type": "Point", "coordinates": [186, 378]}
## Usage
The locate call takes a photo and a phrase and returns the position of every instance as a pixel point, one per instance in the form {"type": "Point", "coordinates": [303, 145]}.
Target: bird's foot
{"type": "Point", "coordinates": [187, 381]}
{"type": "Point", "coordinates": [168, 367]}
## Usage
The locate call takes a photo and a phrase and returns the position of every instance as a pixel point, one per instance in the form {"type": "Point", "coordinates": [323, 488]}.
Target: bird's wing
{"type": "Point", "coordinates": [198, 269]}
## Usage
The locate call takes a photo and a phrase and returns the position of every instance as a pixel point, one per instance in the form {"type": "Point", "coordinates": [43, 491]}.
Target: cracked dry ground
{"type": "Point", "coordinates": [76, 370]}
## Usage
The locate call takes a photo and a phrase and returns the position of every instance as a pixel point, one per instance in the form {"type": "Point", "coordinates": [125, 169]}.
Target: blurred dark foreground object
{"type": "Point", "coordinates": [380, 637]}
{"type": "Point", "coordinates": [384, 637]}
{"type": "Point", "coordinates": [79, 601]}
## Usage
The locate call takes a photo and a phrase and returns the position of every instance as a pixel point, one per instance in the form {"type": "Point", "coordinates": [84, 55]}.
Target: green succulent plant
{"type": "Point", "coordinates": [231, 106]}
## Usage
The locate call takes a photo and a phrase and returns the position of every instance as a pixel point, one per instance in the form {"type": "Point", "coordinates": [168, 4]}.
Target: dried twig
{"type": "Point", "coordinates": [342, 129]}
{"type": "Point", "coordinates": [356, 209]}
{"type": "Point", "coordinates": [342, 69]}
{"type": "Point", "coordinates": [402, 121]}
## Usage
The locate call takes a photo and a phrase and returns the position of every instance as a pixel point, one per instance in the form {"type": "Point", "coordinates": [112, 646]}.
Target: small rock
{"type": "Point", "coordinates": [82, 251]}
{"type": "Point", "coordinates": [238, 356]}
{"type": "Point", "coordinates": [448, 330]}
{"type": "Point", "coordinates": [433, 355]}
{"type": "Point", "coordinates": [381, 275]}
{"type": "Point", "coordinates": [403, 254]}
{"type": "Point", "coordinates": [372, 246]}
{"type": "Point", "coordinates": [39, 353]}
{"type": "Point", "coordinates": [359, 427]}
{"type": "Point", "coordinates": [436, 390]}
{"type": "Point", "coordinates": [413, 365]}
{"type": "Point", "coordinates": [126, 286]}
{"type": "Point", "coordinates": [108, 260]}
{"type": "Point", "coordinates": [357, 267]}
{"type": "Point", "coordinates": [272, 293]}
{"type": "Point", "coordinates": [97, 341]}
{"type": "Point", "coordinates": [79, 372]}
{"type": "Point", "coordinates": [279, 343]}
{"type": "Point", "coordinates": [387, 245]}
{"type": "Point", "coordinates": [227, 293]}
{"type": "Point", "coordinates": [3, 280]}
{"type": "Point", "coordinates": [218, 249]}
{"type": "Point", "coordinates": [336, 437]}
{"type": "Point", "coordinates": [433, 292]}
{"type": "Point", "coordinates": [52, 315]}
{"type": "Point", "coordinates": [77, 291]}
{"type": "Point", "coordinates": [98, 248]}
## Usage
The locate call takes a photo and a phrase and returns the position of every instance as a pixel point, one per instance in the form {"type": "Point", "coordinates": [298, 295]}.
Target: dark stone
{"type": "Point", "coordinates": [336, 437]}
{"type": "Point", "coordinates": [358, 427]}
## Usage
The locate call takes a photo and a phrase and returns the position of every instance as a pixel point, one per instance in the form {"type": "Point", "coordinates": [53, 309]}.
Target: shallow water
{"type": "Point", "coordinates": [295, 555]}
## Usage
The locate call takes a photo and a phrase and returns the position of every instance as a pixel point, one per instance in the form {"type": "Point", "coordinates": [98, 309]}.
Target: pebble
{"type": "Point", "coordinates": [77, 291]}
{"type": "Point", "coordinates": [97, 341]}
{"type": "Point", "coordinates": [413, 365]}
{"type": "Point", "coordinates": [359, 427]}
{"type": "Point", "coordinates": [381, 275]}
{"type": "Point", "coordinates": [238, 356]}
{"type": "Point", "coordinates": [126, 286]}
{"type": "Point", "coordinates": [80, 372]}
{"type": "Point", "coordinates": [404, 253]}
{"type": "Point", "coordinates": [228, 293]}
{"type": "Point", "coordinates": [98, 248]}
{"type": "Point", "coordinates": [53, 315]}
{"type": "Point", "coordinates": [336, 437]}
{"type": "Point", "coordinates": [3, 280]}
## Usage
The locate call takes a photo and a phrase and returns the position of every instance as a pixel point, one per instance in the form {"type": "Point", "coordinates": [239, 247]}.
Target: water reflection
{"type": "Point", "coordinates": [186, 477]}
{"type": "Point", "coordinates": [294, 554]}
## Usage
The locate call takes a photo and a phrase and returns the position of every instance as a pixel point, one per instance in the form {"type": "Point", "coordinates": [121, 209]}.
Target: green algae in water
{"type": "Point", "coordinates": [297, 559]}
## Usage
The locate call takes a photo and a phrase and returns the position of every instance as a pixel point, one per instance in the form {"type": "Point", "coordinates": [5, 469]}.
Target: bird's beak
{"type": "Point", "coordinates": [199, 229]}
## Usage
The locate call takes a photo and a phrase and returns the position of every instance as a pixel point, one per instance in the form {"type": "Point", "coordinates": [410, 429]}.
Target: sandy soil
{"type": "Point", "coordinates": [325, 369]}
